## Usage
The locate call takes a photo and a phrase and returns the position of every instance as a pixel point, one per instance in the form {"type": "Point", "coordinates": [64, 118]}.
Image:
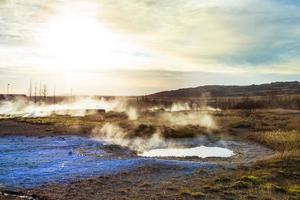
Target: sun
{"type": "Point", "coordinates": [77, 40]}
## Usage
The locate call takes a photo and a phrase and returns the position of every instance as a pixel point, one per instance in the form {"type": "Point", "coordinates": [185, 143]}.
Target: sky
{"type": "Point", "coordinates": [137, 47]}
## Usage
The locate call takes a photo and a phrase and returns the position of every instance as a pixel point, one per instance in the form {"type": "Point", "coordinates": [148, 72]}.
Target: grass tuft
{"type": "Point", "coordinates": [187, 192]}
{"type": "Point", "coordinates": [241, 185]}
{"type": "Point", "coordinates": [223, 180]}
{"type": "Point", "coordinates": [273, 187]}
{"type": "Point", "coordinates": [286, 143]}
{"type": "Point", "coordinates": [251, 179]}
{"type": "Point", "coordinates": [294, 190]}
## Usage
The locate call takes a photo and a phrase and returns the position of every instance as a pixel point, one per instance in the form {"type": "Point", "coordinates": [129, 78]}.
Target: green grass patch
{"type": "Point", "coordinates": [187, 192]}
{"type": "Point", "coordinates": [251, 179]}
{"type": "Point", "coordinates": [222, 180]}
{"type": "Point", "coordinates": [241, 185]}
{"type": "Point", "coordinates": [273, 187]}
{"type": "Point", "coordinates": [294, 190]}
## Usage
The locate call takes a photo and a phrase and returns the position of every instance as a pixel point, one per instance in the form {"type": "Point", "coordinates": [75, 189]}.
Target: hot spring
{"type": "Point", "coordinates": [201, 152]}
{"type": "Point", "coordinates": [27, 162]}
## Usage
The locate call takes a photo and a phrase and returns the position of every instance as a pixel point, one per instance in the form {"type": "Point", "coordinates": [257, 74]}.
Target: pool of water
{"type": "Point", "coordinates": [201, 152]}
{"type": "Point", "coordinates": [27, 162]}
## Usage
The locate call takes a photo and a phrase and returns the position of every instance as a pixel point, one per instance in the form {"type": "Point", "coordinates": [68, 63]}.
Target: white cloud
{"type": "Point", "coordinates": [173, 36]}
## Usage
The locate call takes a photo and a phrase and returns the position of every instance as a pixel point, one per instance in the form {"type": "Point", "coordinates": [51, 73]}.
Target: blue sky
{"type": "Point", "coordinates": [134, 47]}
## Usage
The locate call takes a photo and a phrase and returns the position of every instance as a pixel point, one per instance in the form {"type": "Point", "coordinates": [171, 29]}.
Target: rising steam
{"type": "Point", "coordinates": [188, 118]}
{"type": "Point", "coordinates": [114, 134]}
{"type": "Point", "coordinates": [177, 107]}
{"type": "Point", "coordinates": [78, 107]}
{"type": "Point", "coordinates": [174, 115]}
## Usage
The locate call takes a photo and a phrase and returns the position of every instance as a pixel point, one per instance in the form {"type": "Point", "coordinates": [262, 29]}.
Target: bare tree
{"type": "Point", "coordinates": [35, 88]}
{"type": "Point", "coordinates": [45, 91]}
{"type": "Point", "coordinates": [30, 90]}
{"type": "Point", "coordinates": [54, 95]}
{"type": "Point", "coordinates": [40, 91]}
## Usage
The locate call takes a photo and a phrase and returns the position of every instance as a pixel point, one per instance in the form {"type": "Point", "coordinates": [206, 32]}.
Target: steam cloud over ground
{"type": "Point", "coordinates": [188, 118]}
{"type": "Point", "coordinates": [114, 134]}
{"type": "Point", "coordinates": [83, 106]}
{"type": "Point", "coordinates": [77, 107]}
{"type": "Point", "coordinates": [159, 120]}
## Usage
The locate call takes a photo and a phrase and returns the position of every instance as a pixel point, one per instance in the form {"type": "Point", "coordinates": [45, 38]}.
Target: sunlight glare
{"type": "Point", "coordinates": [79, 41]}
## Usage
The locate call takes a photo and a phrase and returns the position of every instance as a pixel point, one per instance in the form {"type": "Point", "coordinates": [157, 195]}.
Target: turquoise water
{"type": "Point", "coordinates": [27, 162]}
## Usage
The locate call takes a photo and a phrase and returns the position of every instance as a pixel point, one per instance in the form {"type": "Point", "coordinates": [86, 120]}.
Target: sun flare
{"type": "Point", "coordinates": [78, 41]}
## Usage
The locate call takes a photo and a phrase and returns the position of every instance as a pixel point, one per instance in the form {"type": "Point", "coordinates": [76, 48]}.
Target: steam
{"type": "Point", "coordinates": [176, 114]}
{"type": "Point", "coordinates": [188, 118]}
{"type": "Point", "coordinates": [179, 114]}
{"type": "Point", "coordinates": [175, 107]}
{"type": "Point", "coordinates": [178, 107]}
{"type": "Point", "coordinates": [78, 107]}
{"type": "Point", "coordinates": [114, 134]}
{"type": "Point", "coordinates": [132, 113]}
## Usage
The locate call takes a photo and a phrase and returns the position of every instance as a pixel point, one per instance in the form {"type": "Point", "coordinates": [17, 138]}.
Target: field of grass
{"type": "Point", "coordinates": [285, 143]}
{"type": "Point", "coordinates": [274, 178]}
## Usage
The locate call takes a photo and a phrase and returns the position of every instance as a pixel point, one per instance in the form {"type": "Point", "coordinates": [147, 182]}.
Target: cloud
{"type": "Point", "coordinates": [183, 35]}
{"type": "Point", "coordinates": [169, 43]}
{"type": "Point", "coordinates": [204, 34]}
{"type": "Point", "coordinates": [18, 18]}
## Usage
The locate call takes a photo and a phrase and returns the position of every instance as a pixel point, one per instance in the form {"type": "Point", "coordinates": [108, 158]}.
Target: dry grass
{"type": "Point", "coordinates": [269, 179]}
{"type": "Point", "coordinates": [285, 143]}
{"type": "Point", "coordinates": [188, 193]}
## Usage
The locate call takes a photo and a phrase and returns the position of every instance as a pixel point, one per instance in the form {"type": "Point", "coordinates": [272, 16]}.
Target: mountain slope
{"type": "Point", "coordinates": [275, 88]}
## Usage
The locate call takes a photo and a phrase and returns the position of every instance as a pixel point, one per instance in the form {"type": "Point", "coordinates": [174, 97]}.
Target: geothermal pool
{"type": "Point", "coordinates": [27, 162]}
{"type": "Point", "coordinates": [201, 152]}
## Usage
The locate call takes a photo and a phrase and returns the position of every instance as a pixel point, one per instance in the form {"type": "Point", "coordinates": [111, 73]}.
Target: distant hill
{"type": "Point", "coordinates": [275, 88]}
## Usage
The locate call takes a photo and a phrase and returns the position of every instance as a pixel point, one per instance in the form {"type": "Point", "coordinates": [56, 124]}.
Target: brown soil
{"type": "Point", "coordinates": [12, 127]}
{"type": "Point", "coordinates": [271, 179]}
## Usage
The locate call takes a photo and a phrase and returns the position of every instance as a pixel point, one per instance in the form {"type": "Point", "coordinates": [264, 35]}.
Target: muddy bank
{"type": "Point", "coordinates": [149, 175]}
{"type": "Point", "coordinates": [245, 152]}
{"type": "Point", "coordinates": [28, 162]}
{"type": "Point", "coordinates": [142, 183]}
{"type": "Point", "coordinates": [154, 181]}
{"type": "Point", "coordinates": [13, 128]}
{"type": "Point", "coordinates": [158, 182]}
